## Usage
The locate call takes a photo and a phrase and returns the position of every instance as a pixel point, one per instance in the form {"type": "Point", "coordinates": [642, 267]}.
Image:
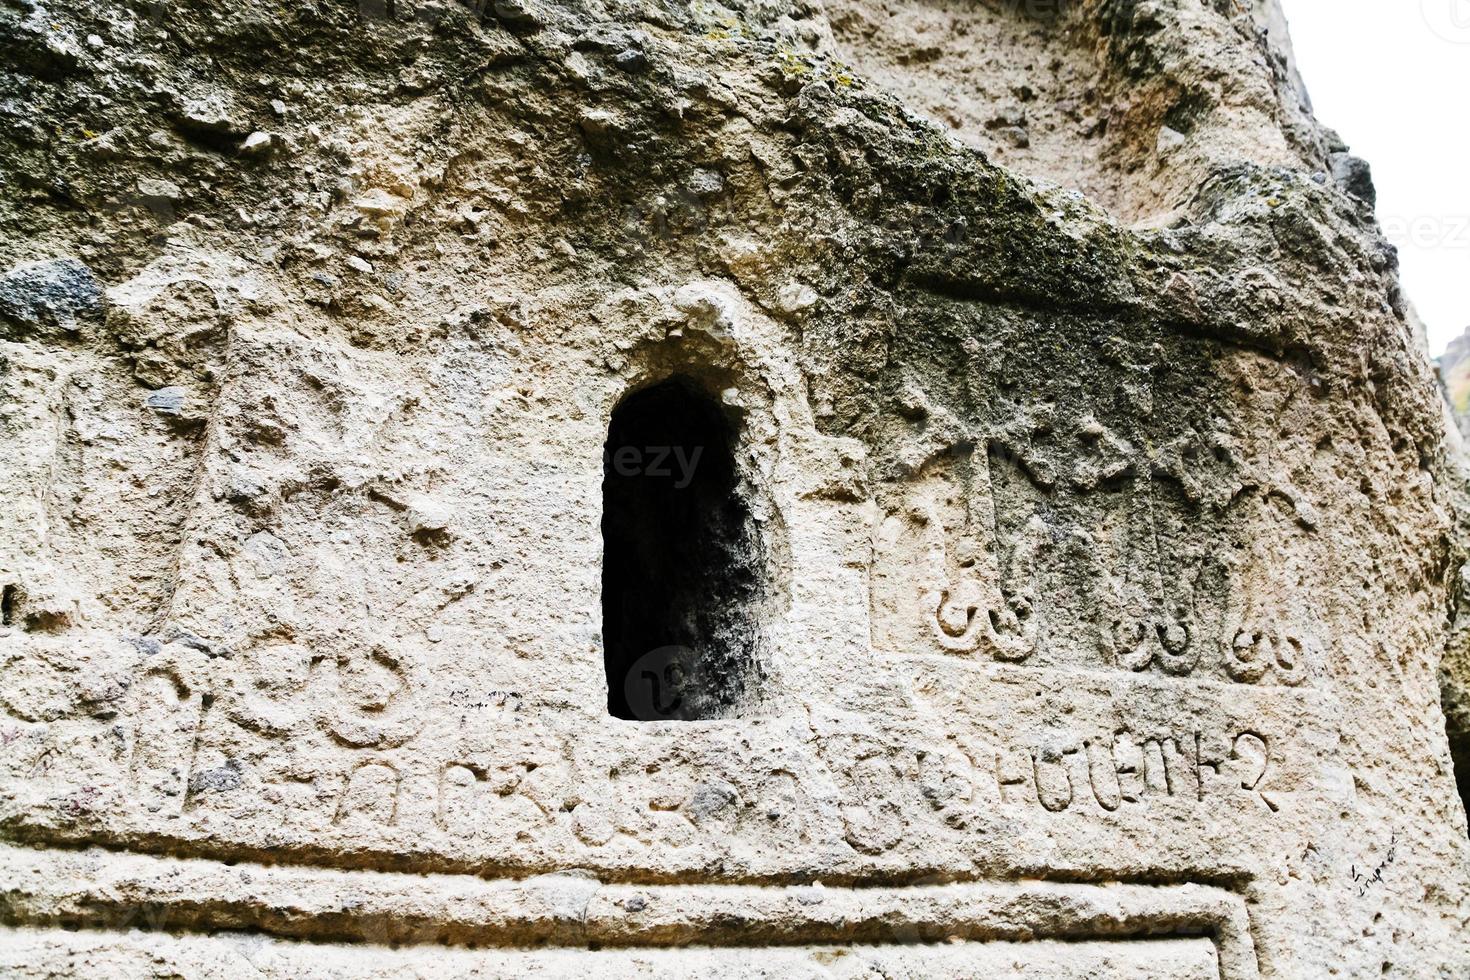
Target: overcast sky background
{"type": "Point", "coordinates": [1393, 77]}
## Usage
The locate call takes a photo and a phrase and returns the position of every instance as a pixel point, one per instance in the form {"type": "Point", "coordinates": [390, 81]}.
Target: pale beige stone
{"type": "Point", "coordinates": [1091, 535]}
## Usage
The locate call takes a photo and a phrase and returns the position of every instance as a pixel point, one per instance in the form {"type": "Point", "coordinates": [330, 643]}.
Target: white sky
{"type": "Point", "coordinates": [1393, 77]}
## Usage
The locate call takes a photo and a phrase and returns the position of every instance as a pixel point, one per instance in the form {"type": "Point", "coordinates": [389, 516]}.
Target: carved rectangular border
{"type": "Point", "coordinates": [105, 889]}
{"type": "Point", "coordinates": [36, 954]}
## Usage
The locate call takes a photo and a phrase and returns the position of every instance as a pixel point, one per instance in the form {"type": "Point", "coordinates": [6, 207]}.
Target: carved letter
{"type": "Point", "coordinates": [166, 720]}
{"type": "Point", "coordinates": [1102, 772]}
{"type": "Point", "coordinates": [458, 798]}
{"type": "Point", "coordinates": [1056, 803]}
{"type": "Point", "coordinates": [370, 793]}
{"type": "Point", "coordinates": [1257, 756]}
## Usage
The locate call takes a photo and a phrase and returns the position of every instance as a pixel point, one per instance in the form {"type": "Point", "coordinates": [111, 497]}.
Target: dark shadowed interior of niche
{"type": "Point", "coordinates": [1459, 740]}
{"type": "Point", "coordinates": [683, 561]}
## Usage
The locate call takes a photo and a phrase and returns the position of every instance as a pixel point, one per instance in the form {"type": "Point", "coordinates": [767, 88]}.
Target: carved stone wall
{"type": "Point", "coordinates": [1103, 496]}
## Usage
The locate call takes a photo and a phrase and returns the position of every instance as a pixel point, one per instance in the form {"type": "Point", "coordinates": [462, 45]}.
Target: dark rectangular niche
{"type": "Point", "coordinates": [682, 570]}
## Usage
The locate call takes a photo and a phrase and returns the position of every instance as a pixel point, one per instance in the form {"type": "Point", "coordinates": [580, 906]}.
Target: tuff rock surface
{"type": "Point", "coordinates": [1089, 546]}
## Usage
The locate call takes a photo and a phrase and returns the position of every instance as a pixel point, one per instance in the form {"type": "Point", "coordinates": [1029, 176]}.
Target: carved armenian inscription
{"type": "Point", "coordinates": [1045, 744]}
{"type": "Point", "coordinates": [1120, 771]}
{"type": "Point", "coordinates": [210, 748]}
{"type": "Point", "coordinates": [1057, 541]}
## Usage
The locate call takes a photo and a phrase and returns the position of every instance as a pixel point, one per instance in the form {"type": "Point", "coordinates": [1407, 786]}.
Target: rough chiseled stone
{"type": "Point", "coordinates": [1073, 598]}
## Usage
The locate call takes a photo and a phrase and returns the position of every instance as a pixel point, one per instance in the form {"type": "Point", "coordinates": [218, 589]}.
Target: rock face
{"type": "Point", "coordinates": [1454, 372]}
{"type": "Point", "coordinates": [1026, 546]}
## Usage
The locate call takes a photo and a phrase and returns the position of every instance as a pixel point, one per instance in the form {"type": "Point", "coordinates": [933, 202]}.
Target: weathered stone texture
{"type": "Point", "coordinates": [1095, 503]}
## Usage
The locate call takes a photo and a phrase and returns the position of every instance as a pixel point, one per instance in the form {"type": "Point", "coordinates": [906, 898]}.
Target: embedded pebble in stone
{"type": "Point", "coordinates": [167, 401]}
{"type": "Point", "coordinates": [57, 293]}
{"type": "Point", "coordinates": [632, 60]}
{"type": "Point", "coordinates": [157, 190]}
{"type": "Point", "coordinates": [427, 516]}
{"type": "Point", "coordinates": [257, 144]}
{"type": "Point", "coordinates": [1170, 140]}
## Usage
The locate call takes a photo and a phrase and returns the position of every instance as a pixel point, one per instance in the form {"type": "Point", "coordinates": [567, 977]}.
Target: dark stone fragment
{"type": "Point", "coordinates": [221, 780]}
{"type": "Point", "coordinates": [169, 401]}
{"type": "Point", "coordinates": [1353, 175]}
{"type": "Point", "coordinates": [631, 61]}
{"type": "Point", "coordinates": [41, 299]}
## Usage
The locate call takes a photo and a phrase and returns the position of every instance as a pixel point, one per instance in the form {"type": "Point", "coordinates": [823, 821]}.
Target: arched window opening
{"type": "Point", "coordinates": [682, 560]}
